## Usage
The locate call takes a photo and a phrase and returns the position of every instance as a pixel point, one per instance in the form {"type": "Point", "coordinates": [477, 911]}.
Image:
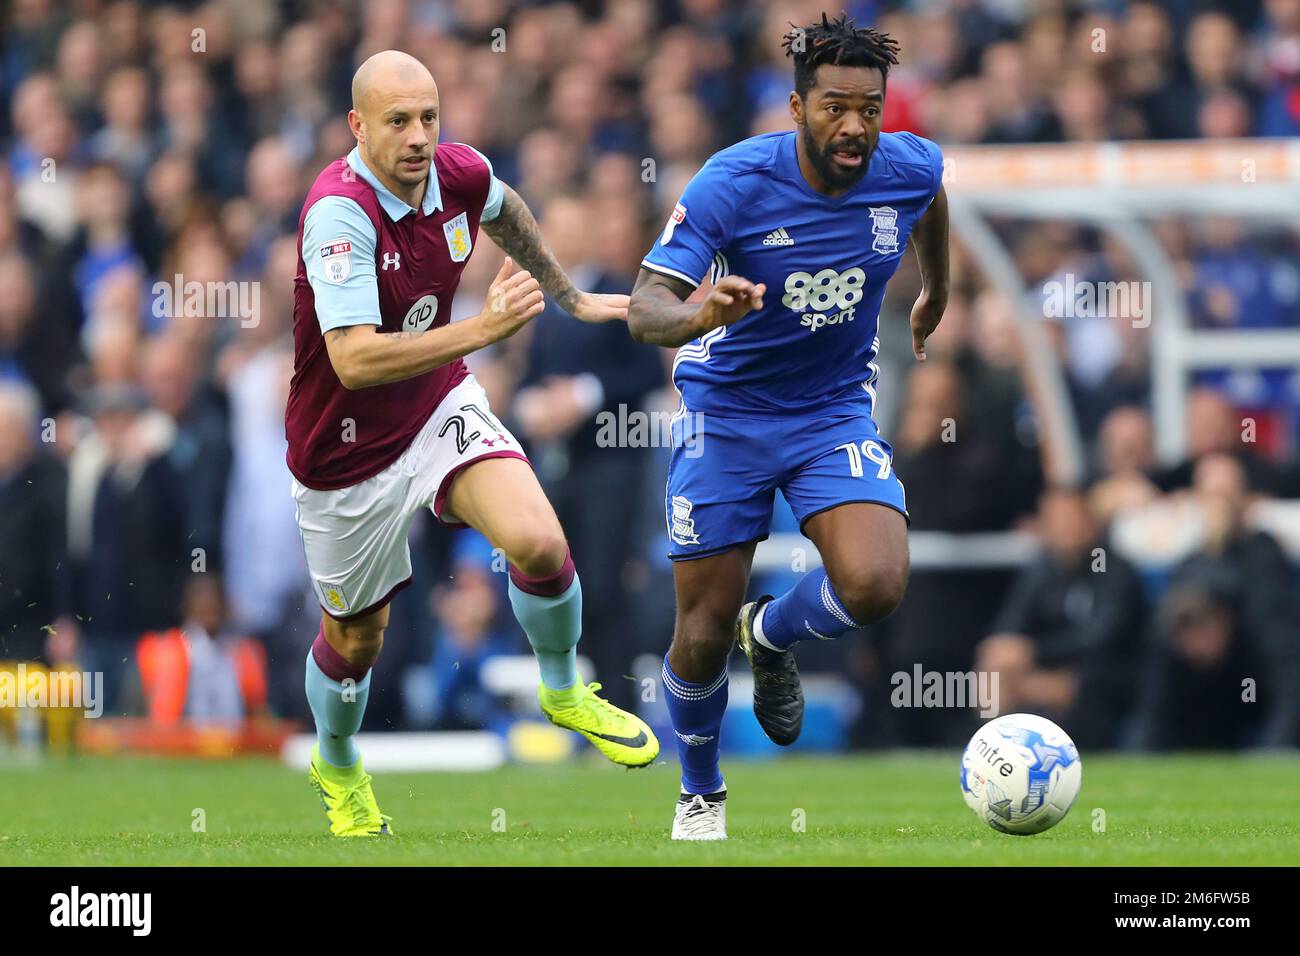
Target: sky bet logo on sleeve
{"type": "Point", "coordinates": [831, 296]}
{"type": "Point", "coordinates": [678, 214]}
{"type": "Point", "coordinates": [336, 258]}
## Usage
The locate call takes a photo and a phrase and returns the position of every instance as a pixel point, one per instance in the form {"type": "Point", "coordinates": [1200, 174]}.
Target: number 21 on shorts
{"type": "Point", "coordinates": [872, 452]}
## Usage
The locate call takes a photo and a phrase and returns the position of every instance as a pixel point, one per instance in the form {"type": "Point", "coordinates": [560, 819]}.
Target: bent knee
{"type": "Point", "coordinates": [358, 645]}
{"type": "Point", "coordinates": [873, 592]}
{"type": "Point", "coordinates": [703, 638]}
{"type": "Point", "coordinates": [538, 552]}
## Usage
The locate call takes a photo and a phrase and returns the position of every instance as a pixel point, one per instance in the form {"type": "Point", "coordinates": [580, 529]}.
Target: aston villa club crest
{"type": "Point", "coordinates": [458, 240]}
{"type": "Point", "coordinates": [334, 596]}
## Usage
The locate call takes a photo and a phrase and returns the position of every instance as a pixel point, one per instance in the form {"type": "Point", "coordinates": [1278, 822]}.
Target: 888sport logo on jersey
{"type": "Point", "coordinates": [825, 298]}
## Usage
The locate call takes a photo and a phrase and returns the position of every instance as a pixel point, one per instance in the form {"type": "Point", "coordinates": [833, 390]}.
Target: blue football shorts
{"type": "Point", "coordinates": [724, 473]}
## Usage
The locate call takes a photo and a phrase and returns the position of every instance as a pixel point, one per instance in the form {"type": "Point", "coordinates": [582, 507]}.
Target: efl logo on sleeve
{"type": "Point", "coordinates": [336, 260]}
{"type": "Point", "coordinates": [678, 215]}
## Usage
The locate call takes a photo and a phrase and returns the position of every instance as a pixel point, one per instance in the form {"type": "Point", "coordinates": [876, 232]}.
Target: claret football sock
{"type": "Point", "coordinates": [337, 691]}
{"type": "Point", "coordinates": [550, 612]}
{"type": "Point", "coordinates": [696, 711]}
{"type": "Point", "coordinates": [811, 609]}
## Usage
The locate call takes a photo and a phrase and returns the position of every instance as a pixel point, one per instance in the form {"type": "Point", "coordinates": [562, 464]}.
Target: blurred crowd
{"type": "Point", "coordinates": [143, 488]}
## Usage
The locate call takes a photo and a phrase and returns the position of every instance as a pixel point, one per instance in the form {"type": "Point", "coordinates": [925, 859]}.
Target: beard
{"type": "Point", "coordinates": [833, 176]}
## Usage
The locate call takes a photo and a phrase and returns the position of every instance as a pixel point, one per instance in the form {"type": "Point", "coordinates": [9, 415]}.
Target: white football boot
{"type": "Point", "coordinates": [701, 816]}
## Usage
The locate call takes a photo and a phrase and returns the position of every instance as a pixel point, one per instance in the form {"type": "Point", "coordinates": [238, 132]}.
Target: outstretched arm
{"type": "Point", "coordinates": [930, 237]}
{"type": "Point", "coordinates": [363, 356]}
{"type": "Point", "coordinates": [516, 231]}
{"type": "Point", "coordinates": [658, 315]}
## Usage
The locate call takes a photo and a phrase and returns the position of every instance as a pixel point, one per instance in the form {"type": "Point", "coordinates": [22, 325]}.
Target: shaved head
{"type": "Point", "coordinates": [394, 117]}
{"type": "Point", "coordinates": [385, 70]}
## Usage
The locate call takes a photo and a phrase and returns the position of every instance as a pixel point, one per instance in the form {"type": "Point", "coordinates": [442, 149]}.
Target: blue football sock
{"type": "Point", "coordinates": [553, 626]}
{"type": "Point", "coordinates": [811, 609]}
{"type": "Point", "coordinates": [696, 711]}
{"type": "Point", "coordinates": [338, 711]}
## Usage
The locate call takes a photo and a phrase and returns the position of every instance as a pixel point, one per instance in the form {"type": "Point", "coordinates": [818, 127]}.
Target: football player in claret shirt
{"type": "Point", "coordinates": [798, 232]}
{"type": "Point", "coordinates": [384, 419]}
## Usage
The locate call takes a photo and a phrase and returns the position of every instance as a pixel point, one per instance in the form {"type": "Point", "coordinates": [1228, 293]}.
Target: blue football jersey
{"type": "Point", "coordinates": [825, 261]}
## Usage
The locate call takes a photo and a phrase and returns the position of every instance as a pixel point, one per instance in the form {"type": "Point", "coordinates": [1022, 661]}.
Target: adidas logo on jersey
{"type": "Point", "coordinates": [778, 237]}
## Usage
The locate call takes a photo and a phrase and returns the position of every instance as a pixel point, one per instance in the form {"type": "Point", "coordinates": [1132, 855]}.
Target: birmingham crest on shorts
{"type": "Point", "coordinates": [683, 525]}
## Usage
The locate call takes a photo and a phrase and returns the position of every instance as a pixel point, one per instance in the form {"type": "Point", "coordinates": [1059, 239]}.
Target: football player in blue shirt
{"type": "Point", "coordinates": [799, 232]}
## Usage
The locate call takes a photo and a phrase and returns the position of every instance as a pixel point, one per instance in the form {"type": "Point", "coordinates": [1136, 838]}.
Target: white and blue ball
{"type": "Point", "coordinates": [1020, 774]}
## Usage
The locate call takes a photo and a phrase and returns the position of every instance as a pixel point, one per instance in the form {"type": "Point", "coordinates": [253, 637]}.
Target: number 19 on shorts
{"type": "Point", "coordinates": [870, 450]}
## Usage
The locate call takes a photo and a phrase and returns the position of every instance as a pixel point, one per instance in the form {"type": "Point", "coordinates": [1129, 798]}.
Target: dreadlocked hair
{"type": "Point", "coordinates": [838, 43]}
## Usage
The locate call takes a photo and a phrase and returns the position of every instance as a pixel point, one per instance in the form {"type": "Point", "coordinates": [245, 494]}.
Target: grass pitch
{"type": "Point", "coordinates": [875, 810]}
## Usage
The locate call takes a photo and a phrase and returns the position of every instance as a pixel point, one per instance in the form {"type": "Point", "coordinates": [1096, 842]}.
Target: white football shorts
{"type": "Point", "coordinates": [355, 537]}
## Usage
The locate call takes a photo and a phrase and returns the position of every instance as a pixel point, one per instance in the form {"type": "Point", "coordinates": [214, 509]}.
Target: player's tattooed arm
{"type": "Point", "coordinates": [930, 238]}
{"type": "Point", "coordinates": [517, 233]}
{"type": "Point", "coordinates": [659, 315]}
